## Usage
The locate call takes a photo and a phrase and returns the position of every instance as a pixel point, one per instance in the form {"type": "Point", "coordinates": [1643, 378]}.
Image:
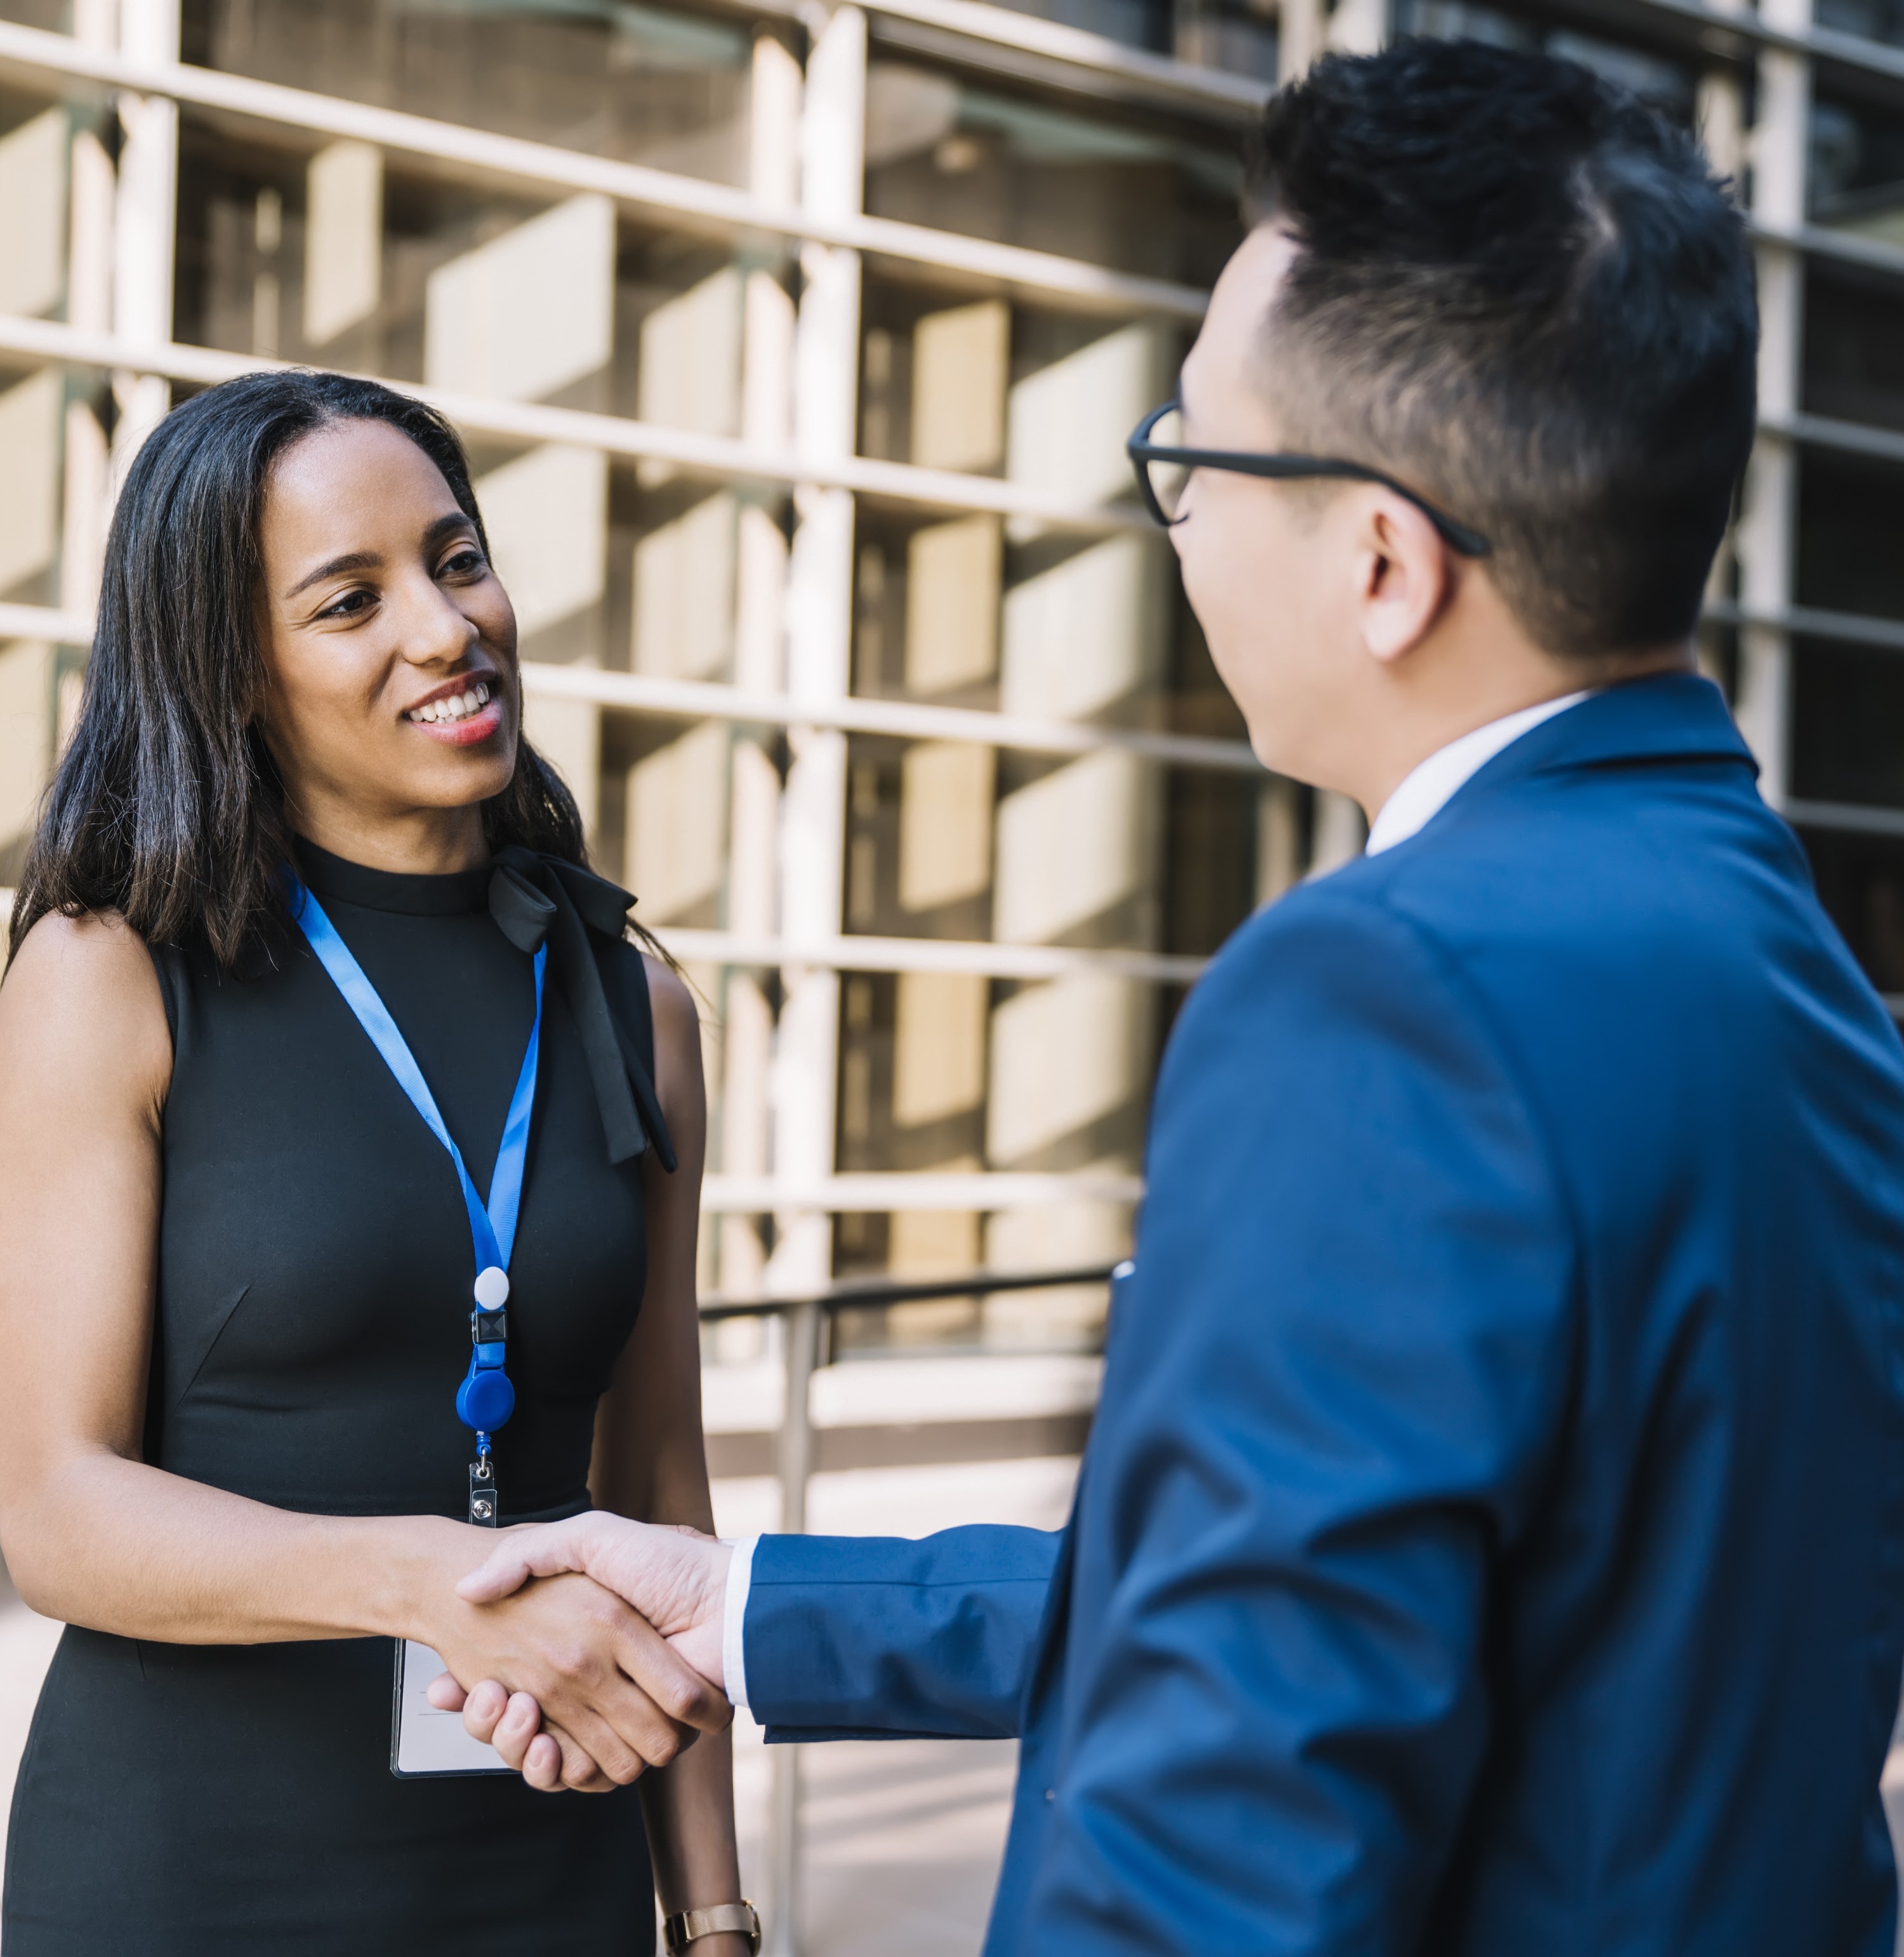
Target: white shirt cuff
{"type": "Point", "coordinates": [733, 1623]}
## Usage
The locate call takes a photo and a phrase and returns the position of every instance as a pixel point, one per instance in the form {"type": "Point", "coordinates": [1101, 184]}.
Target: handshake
{"type": "Point", "coordinates": [625, 1697]}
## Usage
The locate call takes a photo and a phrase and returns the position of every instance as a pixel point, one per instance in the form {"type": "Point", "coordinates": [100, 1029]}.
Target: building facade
{"type": "Point", "coordinates": [795, 346]}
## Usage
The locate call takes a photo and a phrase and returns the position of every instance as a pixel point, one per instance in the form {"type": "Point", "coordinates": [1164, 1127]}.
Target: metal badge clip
{"type": "Point", "coordinates": [482, 1492]}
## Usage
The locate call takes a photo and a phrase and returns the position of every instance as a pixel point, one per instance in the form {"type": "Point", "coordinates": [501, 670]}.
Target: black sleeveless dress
{"type": "Point", "coordinates": [312, 1326]}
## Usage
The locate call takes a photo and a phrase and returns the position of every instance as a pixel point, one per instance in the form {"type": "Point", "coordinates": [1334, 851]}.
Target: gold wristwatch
{"type": "Point", "coordinates": [691, 1925]}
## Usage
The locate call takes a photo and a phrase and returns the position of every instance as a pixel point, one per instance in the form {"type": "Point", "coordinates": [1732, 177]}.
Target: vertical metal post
{"type": "Point", "coordinates": [87, 497]}
{"type": "Point", "coordinates": [147, 224]}
{"type": "Point", "coordinates": [1779, 147]}
{"type": "Point", "coordinates": [819, 620]}
{"type": "Point", "coordinates": [753, 904]}
{"type": "Point", "coordinates": [813, 809]}
{"type": "Point", "coordinates": [801, 1341]}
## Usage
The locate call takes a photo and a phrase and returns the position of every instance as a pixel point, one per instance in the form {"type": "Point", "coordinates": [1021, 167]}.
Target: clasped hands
{"type": "Point", "coordinates": [637, 1691]}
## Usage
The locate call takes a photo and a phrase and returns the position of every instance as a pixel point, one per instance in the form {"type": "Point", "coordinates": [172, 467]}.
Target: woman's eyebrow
{"type": "Point", "coordinates": [457, 519]}
{"type": "Point", "coordinates": [350, 561]}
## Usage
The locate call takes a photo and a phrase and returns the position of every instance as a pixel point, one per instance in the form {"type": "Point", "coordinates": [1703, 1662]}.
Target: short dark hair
{"type": "Point", "coordinates": [1522, 291]}
{"type": "Point", "coordinates": [165, 806]}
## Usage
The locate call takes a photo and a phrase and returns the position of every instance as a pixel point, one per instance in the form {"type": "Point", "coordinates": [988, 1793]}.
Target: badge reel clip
{"type": "Point", "coordinates": [486, 1398]}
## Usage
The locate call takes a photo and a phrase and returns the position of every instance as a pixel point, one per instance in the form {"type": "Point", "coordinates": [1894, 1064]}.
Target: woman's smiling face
{"type": "Point", "coordinates": [389, 644]}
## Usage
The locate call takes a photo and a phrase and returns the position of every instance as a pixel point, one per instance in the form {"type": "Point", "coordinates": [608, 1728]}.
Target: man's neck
{"type": "Point", "coordinates": [1429, 725]}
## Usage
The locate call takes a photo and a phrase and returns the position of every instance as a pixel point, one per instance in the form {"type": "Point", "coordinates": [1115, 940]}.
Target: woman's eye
{"type": "Point", "coordinates": [349, 606]}
{"type": "Point", "coordinates": [467, 562]}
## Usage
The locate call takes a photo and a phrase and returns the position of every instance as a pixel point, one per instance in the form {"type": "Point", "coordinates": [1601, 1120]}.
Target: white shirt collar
{"type": "Point", "coordinates": [1426, 788]}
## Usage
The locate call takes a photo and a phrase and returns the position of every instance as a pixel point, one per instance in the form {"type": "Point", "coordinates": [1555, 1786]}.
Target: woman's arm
{"type": "Point", "coordinates": [93, 1534]}
{"type": "Point", "coordinates": [651, 1462]}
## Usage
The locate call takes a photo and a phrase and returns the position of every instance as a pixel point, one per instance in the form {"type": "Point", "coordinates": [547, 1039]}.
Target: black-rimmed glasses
{"type": "Point", "coordinates": [1163, 468]}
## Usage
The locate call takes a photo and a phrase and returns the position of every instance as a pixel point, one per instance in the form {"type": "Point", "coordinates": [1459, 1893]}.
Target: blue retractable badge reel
{"type": "Point", "coordinates": [487, 1398]}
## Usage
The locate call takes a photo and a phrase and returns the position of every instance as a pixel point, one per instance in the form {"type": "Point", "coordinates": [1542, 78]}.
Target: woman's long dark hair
{"type": "Point", "coordinates": [166, 806]}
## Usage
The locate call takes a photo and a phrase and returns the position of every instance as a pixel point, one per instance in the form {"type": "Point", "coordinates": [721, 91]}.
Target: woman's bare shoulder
{"type": "Point", "coordinates": [81, 997]}
{"type": "Point", "coordinates": [677, 1019]}
{"type": "Point", "coordinates": [677, 1078]}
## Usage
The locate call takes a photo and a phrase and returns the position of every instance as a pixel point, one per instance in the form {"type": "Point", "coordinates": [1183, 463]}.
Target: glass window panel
{"type": "Point", "coordinates": [1658, 76]}
{"type": "Point", "coordinates": [956, 840]}
{"type": "Point", "coordinates": [38, 680]}
{"type": "Point", "coordinates": [1144, 24]}
{"type": "Point", "coordinates": [1849, 514]}
{"type": "Point", "coordinates": [1140, 193]}
{"type": "Point", "coordinates": [1861, 883]}
{"type": "Point", "coordinates": [1848, 719]}
{"type": "Point", "coordinates": [1236, 39]}
{"type": "Point", "coordinates": [1875, 20]}
{"type": "Point", "coordinates": [1854, 347]}
{"type": "Point", "coordinates": [641, 83]}
{"type": "Point", "coordinates": [1854, 181]}
{"type": "Point", "coordinates": [54, 17]}
{"type": "Point", "coordinates": [34, 139]}
{"type": "Point", "coordinates": [333, 255]}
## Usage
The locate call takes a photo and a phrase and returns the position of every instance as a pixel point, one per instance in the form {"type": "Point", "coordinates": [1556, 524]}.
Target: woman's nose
{"type": "Point", "coordinates": [430, 630]}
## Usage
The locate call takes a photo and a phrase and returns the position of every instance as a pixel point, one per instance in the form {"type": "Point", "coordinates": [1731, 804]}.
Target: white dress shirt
{"type": "Point", "coordinates": [733, 1648]}
{"type": "Point", "coordinates": [1427, 787]}
{"type": "Point", "coordinates": [1421, 796]}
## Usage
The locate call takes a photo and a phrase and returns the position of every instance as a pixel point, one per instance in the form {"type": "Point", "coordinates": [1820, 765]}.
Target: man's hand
{"type": "Point", "coordinates": [617, 1698]}
{"type": "Point", "coordinates": [675, 1578]}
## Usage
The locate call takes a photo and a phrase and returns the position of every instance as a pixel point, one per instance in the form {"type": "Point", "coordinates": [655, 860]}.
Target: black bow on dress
{"type": "Point", "coordinates": [536, 899]}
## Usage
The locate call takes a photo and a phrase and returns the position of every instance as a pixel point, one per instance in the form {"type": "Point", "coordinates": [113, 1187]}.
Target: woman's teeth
{"type": "Point", "coordinates": [457, 706]}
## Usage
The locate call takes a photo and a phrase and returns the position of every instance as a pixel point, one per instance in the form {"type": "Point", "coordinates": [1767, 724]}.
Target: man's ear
{"type": "Point", "coordinates": [1404, 579]}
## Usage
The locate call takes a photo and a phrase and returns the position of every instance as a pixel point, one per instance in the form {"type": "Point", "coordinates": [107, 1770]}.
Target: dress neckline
{"type": "Point", "coordinates": [453, 894]}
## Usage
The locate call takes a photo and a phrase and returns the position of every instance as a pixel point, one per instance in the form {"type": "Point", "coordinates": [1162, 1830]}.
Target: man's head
{"type": "Point", "coordinates": [1515, 290]}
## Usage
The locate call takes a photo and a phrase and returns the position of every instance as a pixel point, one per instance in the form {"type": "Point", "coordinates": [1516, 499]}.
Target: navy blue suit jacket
{"type": "Point", "coordinates": [1491, 1538]}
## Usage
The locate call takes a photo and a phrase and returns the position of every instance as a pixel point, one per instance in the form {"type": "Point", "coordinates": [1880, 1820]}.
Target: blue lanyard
{"type": "Point", "coordinates": [486, 1398]}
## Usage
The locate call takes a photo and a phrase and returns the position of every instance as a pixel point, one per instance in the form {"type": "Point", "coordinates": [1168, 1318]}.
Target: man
{"type": "Point", "coordinates": [1491, 1538]}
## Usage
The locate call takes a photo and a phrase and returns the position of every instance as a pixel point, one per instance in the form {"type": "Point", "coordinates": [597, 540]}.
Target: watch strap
{"type": "Point", "coordinates": [689, 1926]}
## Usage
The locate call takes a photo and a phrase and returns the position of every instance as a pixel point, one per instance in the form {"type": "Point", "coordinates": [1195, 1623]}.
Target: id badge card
{"type": "Point", "coordinates": [423, 1741]}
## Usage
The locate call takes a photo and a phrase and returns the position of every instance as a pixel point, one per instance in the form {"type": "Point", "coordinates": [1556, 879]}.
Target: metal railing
{"type": "Point", "coordinates": [804, 1319]}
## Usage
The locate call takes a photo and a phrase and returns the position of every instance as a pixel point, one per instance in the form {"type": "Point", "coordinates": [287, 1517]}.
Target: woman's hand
{"type": "Point", "coordinates": [612, 1694]}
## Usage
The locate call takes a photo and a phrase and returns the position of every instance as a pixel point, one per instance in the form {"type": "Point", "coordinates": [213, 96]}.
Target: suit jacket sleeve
{"type": "Point", "coordinates": [860, 1637]}
{"type": "Point", "coordinates": [1333, 1391]}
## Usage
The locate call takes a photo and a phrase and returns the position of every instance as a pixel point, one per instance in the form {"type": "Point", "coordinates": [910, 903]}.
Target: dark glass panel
{"type": "Point", "coordinates": [1874, 20]}
{"type": "Point", "coordinates": [1855, 180]}
{"type": "Point", "coordinates": [1851, 520]}
{"type": "Point", "coordinates": [1854, 347]}
{"type": "Point", "coordinates": [1209, 854]}
{"type": "Point", "coordinates": [1140, 193]}
{"type": "Point", "coordinates": [242, 262]}
{"type": "Point", "coordinates": [1860, 882]}
{"type": "Point", "coordinates": [641, 83]}
{"type": "Point", "coordinates": [1848, 723]}
{"type": "Point", "coordinates": [1660, 79]}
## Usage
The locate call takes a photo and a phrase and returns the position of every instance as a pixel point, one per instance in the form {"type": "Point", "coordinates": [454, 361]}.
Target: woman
{"type": "Point", "coordinates": [238, 1302]}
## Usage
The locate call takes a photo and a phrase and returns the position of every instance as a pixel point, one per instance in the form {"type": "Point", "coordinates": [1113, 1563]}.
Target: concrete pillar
{"type": "Point", "coordinates": [689, 376]}
{"type": "Point", "coordinates": [1307, 28]}
{"type": "Point", "coordinates": [1077, 843]}
{"type": "Point", "coordinates": [961, 374]}
{"type": "Point", "coordinates": [343, 240]}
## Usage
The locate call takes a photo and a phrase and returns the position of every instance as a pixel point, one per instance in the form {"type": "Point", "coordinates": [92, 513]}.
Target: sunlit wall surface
{"type": "Point", "coordinates": [795, 350]}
